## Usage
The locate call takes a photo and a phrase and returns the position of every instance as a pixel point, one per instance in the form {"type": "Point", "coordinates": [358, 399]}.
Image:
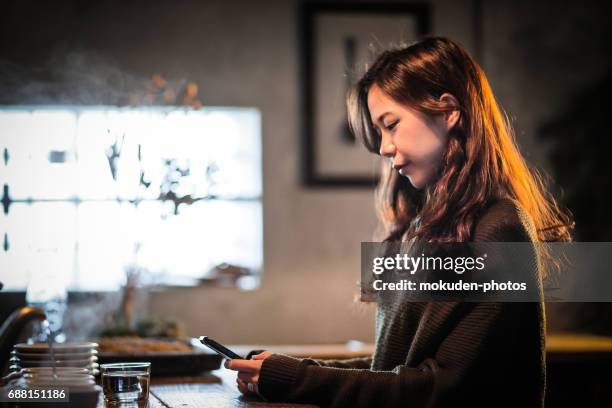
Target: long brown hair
{"type": "Point", "coordinates": [482, 161]}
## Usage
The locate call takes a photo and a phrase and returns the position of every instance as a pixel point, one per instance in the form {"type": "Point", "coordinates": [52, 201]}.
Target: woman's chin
{"type": "Point", "coordinates": [415, 181]}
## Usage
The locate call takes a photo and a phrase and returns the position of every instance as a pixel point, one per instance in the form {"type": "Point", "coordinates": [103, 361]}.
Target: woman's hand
{"type": "Point", "coordinates": [248, 371]}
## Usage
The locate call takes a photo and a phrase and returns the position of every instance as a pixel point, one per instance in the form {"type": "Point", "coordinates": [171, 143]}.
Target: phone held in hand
{"type": "Point", "coordinates": [219, 348]}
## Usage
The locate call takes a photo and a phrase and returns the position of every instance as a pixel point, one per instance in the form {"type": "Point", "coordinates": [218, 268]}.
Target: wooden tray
{"type": "Point", "coordinates": [168, 363]}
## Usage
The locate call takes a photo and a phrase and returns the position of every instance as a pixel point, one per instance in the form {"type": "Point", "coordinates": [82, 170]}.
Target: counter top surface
{"type": "Point", "coordinates": [218, 388]}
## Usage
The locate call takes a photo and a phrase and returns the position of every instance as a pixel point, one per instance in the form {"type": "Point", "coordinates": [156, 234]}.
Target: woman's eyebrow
{"type": "Point", "coordinates": [380, 118]}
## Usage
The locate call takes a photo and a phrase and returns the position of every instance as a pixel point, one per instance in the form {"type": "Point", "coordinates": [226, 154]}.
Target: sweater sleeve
{"type": "Point", "coordinates": [358, 362]}
{"type": "Point", "coordinates": [434, 382]}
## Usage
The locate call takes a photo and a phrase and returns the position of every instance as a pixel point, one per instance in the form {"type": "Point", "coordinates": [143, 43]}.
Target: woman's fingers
{"type": "Point", "coordinates": [242, 386]}
{"type": "Point", "coordinates": [248, 373]}
{"type": "Point", "coordinates": [249, 366]}
{"type": "Point", "coordinates": [248, 377]}
{"type": "Point", "coordinates": [262, 356]}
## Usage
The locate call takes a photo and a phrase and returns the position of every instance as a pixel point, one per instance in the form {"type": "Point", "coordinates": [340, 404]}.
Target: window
{"type": "Point", "coordinates": [90, 193]}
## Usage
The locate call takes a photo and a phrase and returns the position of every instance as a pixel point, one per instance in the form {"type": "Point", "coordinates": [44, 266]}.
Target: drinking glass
{"type": "Point", "coordinates": [126, 384]}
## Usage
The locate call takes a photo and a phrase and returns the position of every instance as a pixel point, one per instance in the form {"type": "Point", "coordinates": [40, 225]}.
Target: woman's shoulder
{"type": "Point", "coordinates": [504, 220]}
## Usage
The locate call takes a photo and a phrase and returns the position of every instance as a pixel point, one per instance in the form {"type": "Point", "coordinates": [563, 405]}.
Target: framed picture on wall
{"type": "Point", "coordinates": [338, 41]}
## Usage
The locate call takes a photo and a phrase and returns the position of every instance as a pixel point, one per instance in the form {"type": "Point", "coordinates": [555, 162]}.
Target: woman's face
{"type": "Point", "coordinates": [414, 142]}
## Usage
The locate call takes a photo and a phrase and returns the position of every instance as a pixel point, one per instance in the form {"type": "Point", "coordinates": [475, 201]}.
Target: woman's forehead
{"type": "Point", "coordinates": [379, 103]}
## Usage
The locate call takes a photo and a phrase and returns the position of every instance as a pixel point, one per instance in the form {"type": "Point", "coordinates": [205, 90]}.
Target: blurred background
{"type": "Point", "coordinates": [185, 163]}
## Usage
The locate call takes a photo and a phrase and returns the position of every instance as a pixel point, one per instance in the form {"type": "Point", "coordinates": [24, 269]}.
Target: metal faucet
{"type": "Point", "coordinates": [12, 327]}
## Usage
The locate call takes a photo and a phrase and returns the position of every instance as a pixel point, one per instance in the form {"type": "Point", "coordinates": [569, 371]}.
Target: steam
{"type": "Point", "coordinates": [88, 78]}
{"type": "Point", "coordinates": [88, 314]}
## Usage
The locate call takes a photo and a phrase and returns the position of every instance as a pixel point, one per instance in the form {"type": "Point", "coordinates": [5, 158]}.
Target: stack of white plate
{"type": "Point", "coordinates": [38, 357]}
{"type": "Point", "coordinates": [84, 393]}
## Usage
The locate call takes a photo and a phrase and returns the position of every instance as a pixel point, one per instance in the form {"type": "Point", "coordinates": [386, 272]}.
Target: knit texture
{"type": "Point", "coordinates": [434, 354]}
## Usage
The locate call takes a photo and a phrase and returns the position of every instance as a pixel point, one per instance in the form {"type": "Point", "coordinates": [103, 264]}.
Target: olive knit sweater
{"type": "Point", "coordinates": [433, 354]}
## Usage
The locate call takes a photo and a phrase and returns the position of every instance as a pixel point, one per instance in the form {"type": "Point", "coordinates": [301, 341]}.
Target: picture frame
{"type": "Point", "coordinates": [336, 40]}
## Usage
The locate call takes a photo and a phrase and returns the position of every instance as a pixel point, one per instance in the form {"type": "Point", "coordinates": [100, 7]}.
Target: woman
{"type": "Point", "coordinates": [455, 175]}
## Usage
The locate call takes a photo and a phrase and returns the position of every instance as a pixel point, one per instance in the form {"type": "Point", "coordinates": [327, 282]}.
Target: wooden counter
{"type": "Point", "coordinates": [576, 364]}
{"type": "Point", "coordinates": [214, 389]}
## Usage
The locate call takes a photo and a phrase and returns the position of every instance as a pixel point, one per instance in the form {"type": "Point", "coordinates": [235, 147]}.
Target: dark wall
{"type": "Point", "coordinates": [549, 63]}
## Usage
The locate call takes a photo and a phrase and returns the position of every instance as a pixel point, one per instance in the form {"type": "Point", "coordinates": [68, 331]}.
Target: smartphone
{"type": "Point", "coordinates": [219, 349]}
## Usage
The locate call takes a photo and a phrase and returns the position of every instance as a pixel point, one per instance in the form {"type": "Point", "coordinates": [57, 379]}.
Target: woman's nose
{"type": "Point", "coordinates": [387, 148]}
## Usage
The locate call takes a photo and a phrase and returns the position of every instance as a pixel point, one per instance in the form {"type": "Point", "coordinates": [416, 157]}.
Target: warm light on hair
{"type": "Point", "coordinates": [482, 161]}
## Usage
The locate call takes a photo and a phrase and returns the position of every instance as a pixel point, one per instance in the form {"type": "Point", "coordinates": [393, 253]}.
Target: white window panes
{"type": "Point", "coordinates": [164, 247]}
{"type": "Point", "coordinates": [106, 136]}
{"type": "Point", "coordinates": [235, 137]}
{"type": "Point", "coordinates": [42, 238]}
{"type": "Point", "coordinates": [41, 146]}
{"type": "Point", "coordinates": [204, 235]}
{"type": "Point", "coordinates": [10, 134]}
{"type": "Point", "coordinates": [107, 233]}
{"type": "Point", "coordinates": [184, 139]}
{"type": "Point", "coordinates": [220, 147]}
{"type": "Point", "coordinates": [95, 135]}
{"type": "Point", "coordinates": [223, 232]}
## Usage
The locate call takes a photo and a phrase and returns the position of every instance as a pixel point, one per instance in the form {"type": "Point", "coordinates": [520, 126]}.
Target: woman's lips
{"type": "Point", "coordinates": [402, 168]}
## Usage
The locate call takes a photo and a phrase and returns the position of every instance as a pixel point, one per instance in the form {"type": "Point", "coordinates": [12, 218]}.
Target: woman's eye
{"type": "Point", "coordinates": [392, 125]}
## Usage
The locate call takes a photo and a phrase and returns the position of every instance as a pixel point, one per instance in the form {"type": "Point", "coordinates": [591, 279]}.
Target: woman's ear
{"type": "Point", "coordinates": [451, 118]}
